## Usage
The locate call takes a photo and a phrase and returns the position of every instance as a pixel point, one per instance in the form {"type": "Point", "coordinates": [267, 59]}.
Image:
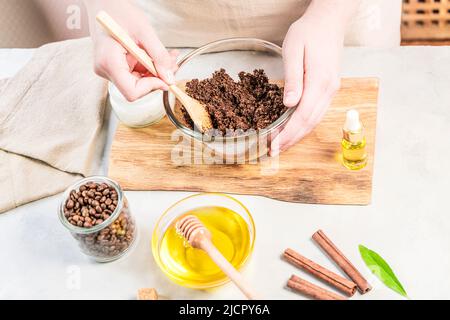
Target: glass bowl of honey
{"type": "Point", "coordinates": [233, 233]}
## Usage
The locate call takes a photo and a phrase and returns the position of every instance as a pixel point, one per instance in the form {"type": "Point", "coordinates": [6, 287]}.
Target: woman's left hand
{"type": "Point", "coordinates": [311, 54]}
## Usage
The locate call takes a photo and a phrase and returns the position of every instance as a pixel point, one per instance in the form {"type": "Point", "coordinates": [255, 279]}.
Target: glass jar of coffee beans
{"type": "Point", "coordinates": [97, 214]}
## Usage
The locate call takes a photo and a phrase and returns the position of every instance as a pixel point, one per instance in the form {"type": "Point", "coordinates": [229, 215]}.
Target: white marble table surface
{"type": "Point", "coordinates": [408, 222]}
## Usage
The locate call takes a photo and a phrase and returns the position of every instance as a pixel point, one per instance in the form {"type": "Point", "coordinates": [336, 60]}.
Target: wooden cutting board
{"type": "Point", "coordinates": [309, 172]}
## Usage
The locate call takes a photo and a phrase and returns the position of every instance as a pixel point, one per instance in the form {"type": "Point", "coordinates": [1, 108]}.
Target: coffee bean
{"type": "Point", "coordinates": [82, 188]}
{"type": "Point", "coordinates": [98, 209]}
{"type": "Point", "coordinates": [105, 192]}
{"type": "Point", "coordinates": [103, 199]}
{"type": "Point", "coordinates": [70, 204]}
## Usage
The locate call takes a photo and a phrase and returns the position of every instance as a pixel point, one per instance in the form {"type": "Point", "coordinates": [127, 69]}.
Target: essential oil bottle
{"type": "Point", "coordinates": [354, 155]}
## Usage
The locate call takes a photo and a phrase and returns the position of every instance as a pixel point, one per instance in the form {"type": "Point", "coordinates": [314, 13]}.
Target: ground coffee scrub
{"type": "Point", "coordinates": [98, 216]}
{"type": "Point", "coordinates": [250, 103]}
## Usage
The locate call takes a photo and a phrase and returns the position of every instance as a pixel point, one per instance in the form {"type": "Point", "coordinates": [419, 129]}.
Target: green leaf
{"type": "Point", "coordinates": [381, 269]}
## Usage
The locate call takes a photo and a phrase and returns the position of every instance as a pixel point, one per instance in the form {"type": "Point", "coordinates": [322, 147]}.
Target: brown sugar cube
{"type": "Point", "coordinates": [147, 294]}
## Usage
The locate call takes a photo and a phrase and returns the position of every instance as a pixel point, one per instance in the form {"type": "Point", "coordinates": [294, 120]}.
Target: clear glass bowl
{"type": "Point", "coordinates": [182, 207]}
{"type": "Point", "coordinates": [234, 55]}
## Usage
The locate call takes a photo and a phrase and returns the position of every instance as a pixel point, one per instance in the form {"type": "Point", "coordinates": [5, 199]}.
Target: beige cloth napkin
{"type": "Point", "coordinates": [51, 123]}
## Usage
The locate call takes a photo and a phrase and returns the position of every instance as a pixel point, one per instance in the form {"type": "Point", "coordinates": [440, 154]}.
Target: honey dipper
{"type": "Point", "coordinates": [198, 236]}
{"type": "Point", "coordinates": [196, 110]}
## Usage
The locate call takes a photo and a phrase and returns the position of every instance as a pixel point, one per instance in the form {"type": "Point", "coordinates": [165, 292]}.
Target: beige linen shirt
{"type": "Point", "coordinates": [192, 23]}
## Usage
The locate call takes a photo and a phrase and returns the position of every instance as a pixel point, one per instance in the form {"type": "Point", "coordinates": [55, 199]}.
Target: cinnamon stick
{"type": "Point", "coordinates": [311, 290]}
{"type": "Point", "coordinates": [346, 286]}
{"type": "Point", "coordinates": [338, 257]}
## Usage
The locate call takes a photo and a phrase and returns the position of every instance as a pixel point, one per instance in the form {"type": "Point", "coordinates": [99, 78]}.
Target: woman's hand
{"type": "Point", "coordinates": [311, 53]}
{"type": "Point", "coordinates": [113, 62]}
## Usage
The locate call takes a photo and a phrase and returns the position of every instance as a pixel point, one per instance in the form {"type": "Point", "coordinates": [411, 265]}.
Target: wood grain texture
{"type": "Point", "coordinates": [309, 172]}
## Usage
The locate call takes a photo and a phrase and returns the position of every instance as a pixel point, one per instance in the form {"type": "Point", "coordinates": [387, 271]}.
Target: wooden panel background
{"type": "Point", "coordinates": [425, 20]}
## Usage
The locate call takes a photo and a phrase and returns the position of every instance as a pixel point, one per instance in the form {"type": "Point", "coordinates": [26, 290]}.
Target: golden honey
{"type": "Point", "coordinates": [192, 267]}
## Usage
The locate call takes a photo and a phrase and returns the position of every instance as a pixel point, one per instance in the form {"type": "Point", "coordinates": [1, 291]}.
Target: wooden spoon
{"type": "Point", "coordinates": [196, 110]}
{"type": "Point", "coordinates": [192, 229]}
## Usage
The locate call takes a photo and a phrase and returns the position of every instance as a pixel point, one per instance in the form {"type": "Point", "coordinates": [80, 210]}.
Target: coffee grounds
{"type": "Point", "coordinates": [250, 103]}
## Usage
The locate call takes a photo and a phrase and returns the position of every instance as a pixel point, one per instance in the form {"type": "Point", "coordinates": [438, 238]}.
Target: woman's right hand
{"type": "Point", "coordinates": [114, 63]}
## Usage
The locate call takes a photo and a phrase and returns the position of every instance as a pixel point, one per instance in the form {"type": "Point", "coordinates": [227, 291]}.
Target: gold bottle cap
{"type": "Point", "coordinates": [353, 137]}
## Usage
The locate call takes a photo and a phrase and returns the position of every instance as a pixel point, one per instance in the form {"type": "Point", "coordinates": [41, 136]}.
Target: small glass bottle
{"type": "Point", "coordinates": [354, 155]}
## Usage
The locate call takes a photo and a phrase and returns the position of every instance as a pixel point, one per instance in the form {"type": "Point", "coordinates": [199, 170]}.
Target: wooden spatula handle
{"type": "Point", "coordinates": [196, 110]}
{"type": "Point", "coordinates": [228, 269]}
{"type": "Point", "coordinates": [121, 36]}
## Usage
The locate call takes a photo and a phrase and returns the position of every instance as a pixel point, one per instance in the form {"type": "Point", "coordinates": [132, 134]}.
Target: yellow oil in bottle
{"type": "Point", "coordinates": [192, 267]}
{"type": "Point", "coordinates": [354, 155]}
